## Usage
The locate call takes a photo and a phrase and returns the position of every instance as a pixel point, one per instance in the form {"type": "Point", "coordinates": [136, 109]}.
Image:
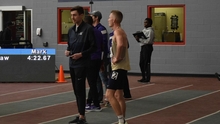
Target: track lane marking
{"type": "Point", "coordinates": [55, 86]}
{"type": "Point", "coordinates": [36, 109]}
{"type": "Point", "coordinates": [171, 105]}
{"type": "Point", "coordinates": [53, 104]}
{"type": "Point", "coordinates": [35, 98]}
{"type": "Point", "coordinates": [62, 93]}
{"type": "Point", "coordinates": [31, 90]}
{"type": "Point", "coordinates": [161, 92]}
{"type": "Point", "coordinates": [203, 117]}
{"type": "Point", "coordinates": [126, 102]}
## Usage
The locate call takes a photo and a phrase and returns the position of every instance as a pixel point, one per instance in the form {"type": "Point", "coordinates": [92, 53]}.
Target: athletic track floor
{"type": "Point", "coordinates": [166, 100]}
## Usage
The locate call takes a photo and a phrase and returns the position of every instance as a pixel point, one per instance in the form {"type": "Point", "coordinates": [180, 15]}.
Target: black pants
{"type": "Point", "coordinates": [145, 60]}
{"type": "Point", "coordinates": [103, 78]}
{"type": "Point", "coordinates": [78, 77]}
{"type": "Point", "coordinates": [126, 89]}
{"type": "Point", "coordinates": [92, 75]}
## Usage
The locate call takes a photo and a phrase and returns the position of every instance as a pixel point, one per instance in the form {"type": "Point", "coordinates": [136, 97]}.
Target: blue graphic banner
{"type": "Point", "coordinates": [27, 51]}
{"type": "Point", "coordinates": [86, 0]}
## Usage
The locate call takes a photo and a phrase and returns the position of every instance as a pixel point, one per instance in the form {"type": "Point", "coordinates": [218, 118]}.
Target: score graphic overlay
{"type": "Point", "coordinates": [27, 65]}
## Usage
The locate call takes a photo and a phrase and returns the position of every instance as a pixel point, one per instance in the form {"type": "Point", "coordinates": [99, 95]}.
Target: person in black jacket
{"type": "Point", "coordinates": [7, 35]}
{"type": "Point", "coordinates": [93, 70]}
{"type": "Point", "coordinates": [81, 43]}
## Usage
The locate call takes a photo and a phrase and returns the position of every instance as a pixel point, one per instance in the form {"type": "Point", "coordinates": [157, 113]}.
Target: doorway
{"type": "Point", "coordinates": [21, 19]}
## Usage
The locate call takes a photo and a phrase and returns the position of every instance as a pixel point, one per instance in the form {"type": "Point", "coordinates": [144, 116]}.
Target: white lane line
{"type": "Point", "coordinates": [161, 93]}
{"type": "Point", "coordinates": [37, 109]}
{"type": "Point", "coordinates": [141, 86]}
{"type": "Point", "coordinates": [203, 117]}
{"type": "Point", "coordinates": [87, 112]}
{"type": "Point", "coordinates": [36, 98]}
{"type": "Point", "coordinates": [58, 93]}
{"type": "Point", "coordinates": [154, 95]}
{"type": "Point", "coordinates": [33, 89]}
{"type": "Point", "coordinates": [49, 105]}
{"type": "Point", "coordinates": [74, 101]}
{"type": "Point", "coordinates": [173, 105]}
{"type": "Point", "coordinates": [60, 118]}
{"type": "Point", "coordinates": [126, 102]}
{"type": "Point", "coordinates": [53, 87]}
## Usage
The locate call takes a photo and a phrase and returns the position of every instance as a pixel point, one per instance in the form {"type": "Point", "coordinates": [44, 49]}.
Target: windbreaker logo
{"type": "Point", "coordinates": [114, 75]}
{"type": "Point", "coordinates": [80, 33]}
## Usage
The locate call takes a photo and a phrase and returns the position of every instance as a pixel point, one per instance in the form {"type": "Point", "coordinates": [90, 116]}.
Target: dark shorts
{"type": "Point", "coordinates": [117, 79]}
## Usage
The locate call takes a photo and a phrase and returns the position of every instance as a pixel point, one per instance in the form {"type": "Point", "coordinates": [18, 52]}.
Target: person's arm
{"type": "Point", "coordinates": [67, 51]}
{"type": "Point", "coordinates": [92, 43]}
{"type": "Point", "coordinates": [121, 46]}
{"type": "Point", "coordinates": [103, 30]}
{"type": "Point", "coordinates": [149, 34]}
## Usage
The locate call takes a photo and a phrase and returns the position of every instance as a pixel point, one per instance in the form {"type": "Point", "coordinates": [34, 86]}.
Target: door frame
{"type": "Point", "coordinates": [8, 8]}
{"type": "Point", "coordinates": [17, 8]}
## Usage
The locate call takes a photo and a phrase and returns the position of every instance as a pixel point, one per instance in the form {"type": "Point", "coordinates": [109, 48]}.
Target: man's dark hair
{"type": "Point", "coordinates": [88, 19]}
{"type": "Point", "coordinates": [98, 18]}
{"type": "Point", "coordinates": [79, 9]}
{"type": "Point", "coordinates": [9, 23]}
{"type": "Point", "coordinates": [149, 20]}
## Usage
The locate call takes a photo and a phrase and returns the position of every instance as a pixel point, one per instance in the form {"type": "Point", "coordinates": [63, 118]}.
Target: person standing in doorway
{"type": "Point", "coordinates": [7, 35]}
{"type": "Point", "coordinates": [146, 50]}
{"type": "Point", "coordinates": [81, 43]}
{"type": "Point", "coordinates": [120, 65]}
{"type": "Point", "coordinates": [103, 73]}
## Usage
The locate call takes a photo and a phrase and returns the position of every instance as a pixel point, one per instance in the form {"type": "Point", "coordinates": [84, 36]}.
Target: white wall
{"type": "Point", "coordinates": [200, 55]}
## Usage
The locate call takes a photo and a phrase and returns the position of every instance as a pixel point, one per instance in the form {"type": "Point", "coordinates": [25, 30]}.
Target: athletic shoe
{"type": "Point", "coordinates": [74, 121]}
{"type": "Point", "coordinates": [101, 103]}
{"type": "Point", "coordinates": [128, 98]}
{"type": "Point", "coordinates": [82, 121]}
{"type": "Point", "coordinates": [88, 106]}
{"type": "Point", "coordinates": [107, 103]}
{"type": "Point", "coordinates": [147, 82]}
{"type": "Point", "coordinates": [125, 122]}
{"type": "Point", "coordinates": [142, 80]}
{"type": "Point", "coordinates": [94, 108]}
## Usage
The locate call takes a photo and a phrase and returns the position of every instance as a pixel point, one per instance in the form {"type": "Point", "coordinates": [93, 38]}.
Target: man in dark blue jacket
{"type": "Point", "coordinates": [103, 74]}
{"type": "Point", "coordinates": [81, 43]}
{"type": "Point", "coordinates": [93, 70]}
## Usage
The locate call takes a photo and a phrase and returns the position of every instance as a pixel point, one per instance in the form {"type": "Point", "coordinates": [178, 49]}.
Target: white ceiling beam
{"type": "Point", "coordinates": [11, 8]}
